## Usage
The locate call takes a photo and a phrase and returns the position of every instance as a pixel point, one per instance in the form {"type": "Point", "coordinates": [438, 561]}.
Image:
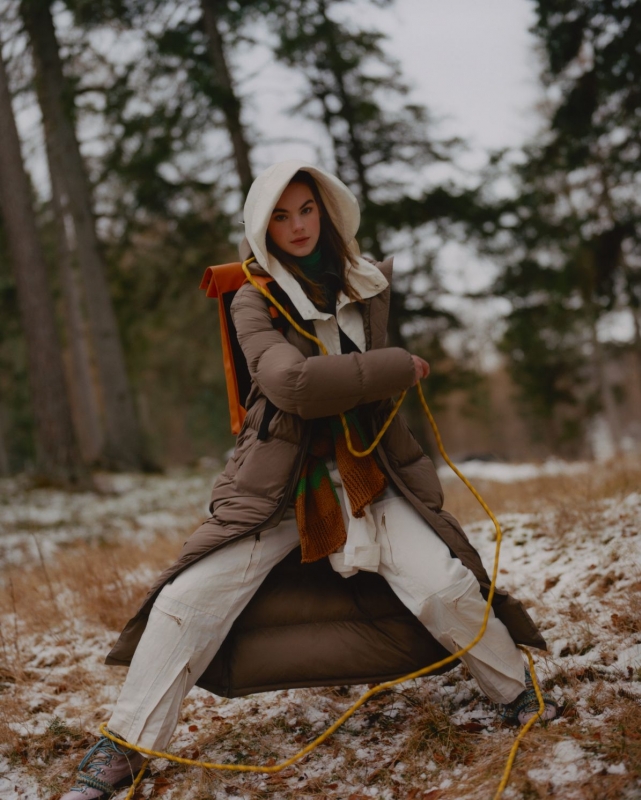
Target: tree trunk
{"type": "Point", "coordinates": [58, 459]}
{"type": "Point", "coordinates": [123, 443]}
{"type": "Point", "coordinates": [86, 413]}
{"type": "Point", "coordinates": [608, 402]}
{"type": "Point", "coordinates": [230, 102]}
{"type": "Point", "coordinates": [633, 299]}
{"type": "Point", "coordinates": [636, 321]}
{"type": "Point", "coordinates": [354, 144]}
{"type": "Point", "coordinates": [635, 311]}
{"type": "Point", "coordinates": [4, 450]}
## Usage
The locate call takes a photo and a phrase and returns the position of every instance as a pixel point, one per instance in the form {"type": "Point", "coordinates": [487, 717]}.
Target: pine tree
{"type": "Point", "coordinates": [593, 61]}
{"type": "Point", "coordinates": [227, 96]}
{"type": "Point", "coordinates": [160, 191]}
{"type": "Point", "coordinates": [189, 45]}
{"type": "Point", "coordinates": [570, 239]}
{"type": "Point", "coordinates": [123, 446]}
{"type": "Point", "coordinates": [57, 456]}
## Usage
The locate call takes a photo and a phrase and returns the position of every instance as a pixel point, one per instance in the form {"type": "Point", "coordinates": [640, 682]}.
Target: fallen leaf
{"type": "Point", "coordinates": [161, 785]}
{"type": "Point", "coordinates": [471, 727]}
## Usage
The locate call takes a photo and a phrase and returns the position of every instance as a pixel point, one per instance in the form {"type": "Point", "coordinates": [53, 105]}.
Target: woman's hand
{"type": "Point", "coordinates": [421, 367]}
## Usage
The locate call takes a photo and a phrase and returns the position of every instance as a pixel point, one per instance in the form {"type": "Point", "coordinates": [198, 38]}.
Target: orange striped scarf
{"type": "Point", "coordinates": [318, 510]}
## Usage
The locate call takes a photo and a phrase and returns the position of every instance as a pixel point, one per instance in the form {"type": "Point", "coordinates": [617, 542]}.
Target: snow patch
{"type": "Point", "coordinates": [511, 473]}
{"type": "Point", "coordinates": [630, 657]}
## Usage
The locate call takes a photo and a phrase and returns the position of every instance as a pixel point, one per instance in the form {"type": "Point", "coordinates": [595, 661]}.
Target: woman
{"type": "Point", "coordinates": [292, 482]}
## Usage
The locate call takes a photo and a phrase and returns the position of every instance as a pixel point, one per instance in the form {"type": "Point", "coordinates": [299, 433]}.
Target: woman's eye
{"type": "Point", "coordinates": [307, 210]}
{"type": "Point", "coordinates": [280, 218]}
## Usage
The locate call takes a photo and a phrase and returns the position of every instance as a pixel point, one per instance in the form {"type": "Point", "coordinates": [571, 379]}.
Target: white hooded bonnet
{"type": "Point", "coordinates": [343, 209]}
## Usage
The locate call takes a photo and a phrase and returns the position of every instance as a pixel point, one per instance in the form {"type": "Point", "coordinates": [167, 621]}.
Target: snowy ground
{"type": "Point", "coordinates": [131, 505]}
{"type": "Point", "coordinates": [511, 473]}
{"type": "Point", "coordinates": [576, 564]}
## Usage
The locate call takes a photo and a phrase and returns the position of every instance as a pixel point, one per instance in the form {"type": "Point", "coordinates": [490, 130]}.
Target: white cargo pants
{"type": "Point", "coordinates": [192, 616]}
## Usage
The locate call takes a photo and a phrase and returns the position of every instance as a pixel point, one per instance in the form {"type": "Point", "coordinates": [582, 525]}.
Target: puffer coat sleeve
{"type": "Point", "coordinates": [314, 386]}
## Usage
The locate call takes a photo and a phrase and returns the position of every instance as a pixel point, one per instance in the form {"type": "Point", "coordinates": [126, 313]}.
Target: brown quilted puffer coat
{"type": "Point", "coordinates": [308, 626]}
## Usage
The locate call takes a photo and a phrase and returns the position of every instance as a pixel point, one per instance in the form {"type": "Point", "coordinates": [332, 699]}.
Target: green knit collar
{"type": "Point", "coordinates": [311, 260]}
{"type": "Point", "coordinates": [327, 277]}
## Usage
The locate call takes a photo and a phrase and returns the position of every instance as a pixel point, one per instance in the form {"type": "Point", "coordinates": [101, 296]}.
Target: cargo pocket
{"type": "Point", "coordinates": [211, 587]}
{"type": "Point", "coordinates": [388, 518]}
{"type": "Point", "coordinates": [254, 560]}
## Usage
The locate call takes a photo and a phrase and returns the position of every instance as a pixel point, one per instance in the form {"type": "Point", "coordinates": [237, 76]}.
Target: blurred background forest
{"type": "Point", "coordinates": [128, 138]}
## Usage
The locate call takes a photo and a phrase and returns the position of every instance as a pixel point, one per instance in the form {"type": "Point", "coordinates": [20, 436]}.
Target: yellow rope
{"type": "Point", "coordinates": [265, 292]}
{"type": "Point", "coordinates": [388, 684]}
{"type": "Point", "coordinates": [524, 729]}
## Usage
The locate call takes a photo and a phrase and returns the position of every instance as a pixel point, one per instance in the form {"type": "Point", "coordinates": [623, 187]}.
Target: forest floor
{"type": "Point", "coordinates": [74, 566]}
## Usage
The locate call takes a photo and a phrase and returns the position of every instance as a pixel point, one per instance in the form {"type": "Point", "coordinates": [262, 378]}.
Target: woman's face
{"type": "Point", "coordinates": [295, 222]}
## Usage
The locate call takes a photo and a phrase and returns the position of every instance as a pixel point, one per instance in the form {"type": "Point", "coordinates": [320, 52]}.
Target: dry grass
{"type": "Point", "coordinates": [99, 583]}
{"type": "Point", "coordinates": [436, 739]}
{"type": "Point", "coordinates": [563, 493]}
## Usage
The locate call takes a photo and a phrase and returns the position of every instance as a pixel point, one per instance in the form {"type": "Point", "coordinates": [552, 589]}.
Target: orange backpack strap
{"type": "Point", "coordinates": [227, 278]}
{"type": "Point", "coordinates": [222, 282]}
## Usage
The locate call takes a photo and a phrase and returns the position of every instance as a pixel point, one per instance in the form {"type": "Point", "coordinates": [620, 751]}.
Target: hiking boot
{"type": "Point", "coordinates": [526, 705]}
{"type": "Point", "coordinates": [106, 768]}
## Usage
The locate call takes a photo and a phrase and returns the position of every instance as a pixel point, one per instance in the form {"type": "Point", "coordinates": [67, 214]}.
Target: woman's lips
{"type": "Point", "coordinates": [302, 240]}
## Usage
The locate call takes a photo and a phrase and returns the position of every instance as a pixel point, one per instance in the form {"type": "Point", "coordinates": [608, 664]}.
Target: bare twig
{"type": "Point", "coordinates": [52, 596]}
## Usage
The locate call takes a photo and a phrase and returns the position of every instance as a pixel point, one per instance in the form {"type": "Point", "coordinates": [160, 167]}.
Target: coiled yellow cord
{"type": "Point", "coordinates": [388, 684]}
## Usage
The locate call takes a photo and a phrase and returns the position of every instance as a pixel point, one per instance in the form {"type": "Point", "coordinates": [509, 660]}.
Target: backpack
{"type": "Point", "coordinates": [222, 282]}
